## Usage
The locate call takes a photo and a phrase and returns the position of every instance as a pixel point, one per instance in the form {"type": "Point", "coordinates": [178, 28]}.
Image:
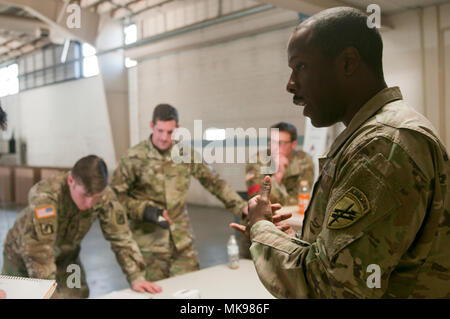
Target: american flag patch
{"type": "Point", "coordinates": [45, 212]}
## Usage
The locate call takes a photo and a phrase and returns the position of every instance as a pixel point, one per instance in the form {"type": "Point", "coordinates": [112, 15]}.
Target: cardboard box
{"type": "Point", "coordinates": [24, 179]}
{"type": "Point", "coordinates": [6, 184]}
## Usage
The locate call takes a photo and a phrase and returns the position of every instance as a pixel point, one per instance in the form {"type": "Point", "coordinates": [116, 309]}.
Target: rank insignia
{"type": "Point", "coordinates": [47, 229]}
{"type": "Point", "coordinates": [348, 209]}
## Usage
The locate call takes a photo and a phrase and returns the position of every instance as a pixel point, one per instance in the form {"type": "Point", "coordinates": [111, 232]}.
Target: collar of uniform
{"type": "Point", "coordinates": [371, 107]}
{"type": "Point", "coordinates": [154, 153]}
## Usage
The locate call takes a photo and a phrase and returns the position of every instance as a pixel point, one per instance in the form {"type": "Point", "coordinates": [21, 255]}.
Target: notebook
{"type": "Point", "coordinates": [27, 288]}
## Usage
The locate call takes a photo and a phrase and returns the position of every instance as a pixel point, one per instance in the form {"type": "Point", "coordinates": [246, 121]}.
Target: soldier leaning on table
{"type": "Point", "coordinates": [46, 236]}
{"type": "Point", "coordinates": [378, 224]}
{"type": "Point", "coordinates": [153, 188]}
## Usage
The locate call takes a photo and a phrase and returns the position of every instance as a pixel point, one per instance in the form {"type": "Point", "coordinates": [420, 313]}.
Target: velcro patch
{"type": "Point", "coordinates": [348, 209]}
{"type": "Point", "coordinates": [47, 229]}
{"type": "Point", "coordinates": [45, 212]}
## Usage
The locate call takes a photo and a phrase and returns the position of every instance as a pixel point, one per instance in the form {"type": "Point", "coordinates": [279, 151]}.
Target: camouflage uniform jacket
{"type": "Point", "coordinates": [381, 200]}
{"type": "Point", "coordinates": [147, 177]}
{"type": "Point", "coordinates": [301, 167]}
{"type": "Point", "coordinates": [48, 232]}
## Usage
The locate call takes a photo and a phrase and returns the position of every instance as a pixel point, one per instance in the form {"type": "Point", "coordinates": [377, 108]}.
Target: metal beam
{"type": "Point", "coordinates": [53, 12]}
{"type": "Point", "coordinates": [21, 24]}
{"type": "Point", "coordinates": [311, 7]}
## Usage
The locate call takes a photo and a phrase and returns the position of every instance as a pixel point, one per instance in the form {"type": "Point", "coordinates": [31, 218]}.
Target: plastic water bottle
{"type": "Point", "coordinates": [233, 253]}
{"type": "Point", "coordinates": [303, 197]}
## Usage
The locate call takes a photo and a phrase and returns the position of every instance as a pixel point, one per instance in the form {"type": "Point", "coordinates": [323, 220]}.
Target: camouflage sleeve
{"type": "Point", "coordinates": [254, 180]}
{"type": "Point", "coordinates": [372, 217]}
{"type": "Point", "coordinates": [123, 182]}
{"type": "Point", "coordinates": [217, 186]}
{"type": "Point", "coordinates": [39, 239]}
{"type": "Point", "coordinates": [114, 225]}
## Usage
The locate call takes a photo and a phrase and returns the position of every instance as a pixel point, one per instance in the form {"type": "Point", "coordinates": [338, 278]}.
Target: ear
{"type": "Point", "coordinates": [350, 60]}
{"type": "Point", "coordinates": [70, 180]}
{"type": "Point", "coordinates": [151, 125]}
{"type": "Point", "coordinates": [294, 145]}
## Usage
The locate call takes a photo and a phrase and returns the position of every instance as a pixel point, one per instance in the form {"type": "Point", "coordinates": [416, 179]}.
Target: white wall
{"type": "Point", "coordinates": [229, 84]}
{"type": "Point", "coordinates": [416, 50]}
{"type": "Point", "coordinates": [62, 123]}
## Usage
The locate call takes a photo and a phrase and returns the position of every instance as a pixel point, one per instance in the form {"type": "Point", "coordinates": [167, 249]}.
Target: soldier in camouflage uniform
{"type": "Point", "coordinates": [293, 167]}
{"type": "Point", "coordinates": [378, 224]}
{"type": "Point", "coordinates": [153, 188]}
{"type": "Point", "coordinates": [46, 236]}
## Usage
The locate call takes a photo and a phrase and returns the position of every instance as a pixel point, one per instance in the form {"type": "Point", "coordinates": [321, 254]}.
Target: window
{"type": "Point", "coordinates": [129, 63]}
{"type": "Point", "coordinates": [130, 32]}
{"type": "Point", "coordinates": [9, 80]}
{"type": "Point", "coordinates": [43, 66]}
{"type": "Point", "coordinates": [90, 62]}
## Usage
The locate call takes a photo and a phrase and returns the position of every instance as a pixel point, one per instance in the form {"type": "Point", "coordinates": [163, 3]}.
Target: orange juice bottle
{"type": "Point", "coordinates": [303, 197]}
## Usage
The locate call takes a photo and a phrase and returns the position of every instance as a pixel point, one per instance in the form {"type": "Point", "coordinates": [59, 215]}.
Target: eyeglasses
{"type": "Point", "coordinates": [282, 143]}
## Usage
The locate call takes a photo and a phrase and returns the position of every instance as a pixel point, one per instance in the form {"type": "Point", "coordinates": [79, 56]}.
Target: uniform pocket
{"type": "Point", "coordinates": [356, 203]}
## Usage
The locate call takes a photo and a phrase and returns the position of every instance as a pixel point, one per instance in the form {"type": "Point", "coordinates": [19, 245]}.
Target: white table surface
{"type": "Point", "coordinates": [218, 282]}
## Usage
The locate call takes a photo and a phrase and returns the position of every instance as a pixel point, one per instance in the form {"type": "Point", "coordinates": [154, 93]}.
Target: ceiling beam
{"type": "Point", "coordinates": [311, 7]}
{"type": "Point", "coordinates": [53, 12]}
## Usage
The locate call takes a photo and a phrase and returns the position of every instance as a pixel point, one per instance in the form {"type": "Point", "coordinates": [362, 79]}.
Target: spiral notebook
{"type": "Point", "coordinates": [27, 288]}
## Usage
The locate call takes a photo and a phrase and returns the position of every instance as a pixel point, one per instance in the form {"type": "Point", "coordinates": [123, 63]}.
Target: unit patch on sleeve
{"type": "Point", "coordinates": [348, 209]}
{"type": "Point", "coordinates": [45, 212]}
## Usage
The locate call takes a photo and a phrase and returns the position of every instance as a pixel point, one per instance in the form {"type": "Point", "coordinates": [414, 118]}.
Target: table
{"type": "Point", "coordinates": [217, 282]}
{"type": "Point", "coordinates": [296, 220]}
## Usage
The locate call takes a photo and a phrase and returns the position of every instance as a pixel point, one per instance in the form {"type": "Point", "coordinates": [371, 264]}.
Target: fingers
{"type": "Point", "coordinates": [166, 216]}
{"type": "Point", "coordinates": [267, 186]}
{"type": "Point", "coordinates": [275, 207]}
{"type": "Point", "coordinates": [239, 227]}
{"type": "Point", "coordinates": [139, 288]}
{"type": "Point", "coordinates": [280, 217]}
{"type": "Point", "coordinates": [154, 288]}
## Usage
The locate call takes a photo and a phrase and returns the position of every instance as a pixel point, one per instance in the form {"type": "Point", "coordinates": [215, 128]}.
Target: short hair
{"type": "Point", "coordinates": [92, 173]}
{"type": "Point", "coordinates": [165, 112]}
{"type": "Point", "coordinates": [3, 119]}
{"type": "Point", "coordinates": [335, 29]}
{"type": "Point", "coordinates": [288, 128]}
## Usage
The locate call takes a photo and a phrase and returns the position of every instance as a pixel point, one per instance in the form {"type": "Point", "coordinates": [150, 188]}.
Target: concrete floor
{"type": "Point", "coordinates": [104, 275]}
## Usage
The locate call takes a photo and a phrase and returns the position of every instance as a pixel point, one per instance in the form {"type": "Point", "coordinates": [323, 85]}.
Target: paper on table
{"type": "Point", "coordinates": [27, 288]}
{"type": "Point", "coordinates": [127, 294]}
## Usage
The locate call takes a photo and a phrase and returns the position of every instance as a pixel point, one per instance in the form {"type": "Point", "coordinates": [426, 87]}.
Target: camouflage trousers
{"type": "Point", "coordinates": [13, 265]}
{"type": "Point", "coordinates": [165, 265]}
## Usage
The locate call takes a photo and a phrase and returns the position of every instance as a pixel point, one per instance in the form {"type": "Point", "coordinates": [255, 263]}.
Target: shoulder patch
{"type": "Point", "coordinates": [47, 229]}
{"type": "Point", "coordinates": [348, 209]}
{"type": "Point", "coordinates": [45, 212]}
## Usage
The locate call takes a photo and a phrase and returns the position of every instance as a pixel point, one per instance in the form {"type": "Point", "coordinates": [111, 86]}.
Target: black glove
{"type": "Point", "coordinates": [154, 215]}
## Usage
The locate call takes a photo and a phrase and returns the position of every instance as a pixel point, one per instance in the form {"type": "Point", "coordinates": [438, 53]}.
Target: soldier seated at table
{"type": "Point", "coordinates": [292, 167]}
{"type": "Point", "coordinates": [45, 239]}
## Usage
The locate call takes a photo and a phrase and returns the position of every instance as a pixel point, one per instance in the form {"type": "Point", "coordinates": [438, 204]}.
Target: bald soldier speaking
{"type": "Point", "coordinates": [378, 224]}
